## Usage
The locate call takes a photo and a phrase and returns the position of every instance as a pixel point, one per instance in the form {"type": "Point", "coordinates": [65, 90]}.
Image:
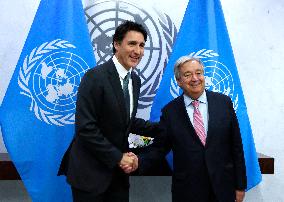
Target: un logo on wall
{"type": "Point", "coordinates": [50, 77]}
{"type": "Point", "coordinates": [104, 16]}
{"type": "Point", "coordinates": [218, 77]}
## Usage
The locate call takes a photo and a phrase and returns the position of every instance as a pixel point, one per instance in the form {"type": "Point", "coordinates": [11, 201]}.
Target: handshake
{"type": "Point", "coordinates": [129, 162]}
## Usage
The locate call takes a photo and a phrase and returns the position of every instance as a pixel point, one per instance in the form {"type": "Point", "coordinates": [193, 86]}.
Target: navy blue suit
{"type": "Point", "coordinates": [217, 167]}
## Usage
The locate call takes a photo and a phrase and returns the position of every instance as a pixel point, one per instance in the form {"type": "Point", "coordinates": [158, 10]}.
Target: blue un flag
{"type": "Point", "coordinates": [37, 113]}
{"type": "Point", "coordinates": [203, 34]}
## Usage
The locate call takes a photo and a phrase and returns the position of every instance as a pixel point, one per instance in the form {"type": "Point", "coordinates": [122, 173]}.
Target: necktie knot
{"type": "Point", "coordinates": [126, 78]}
{"type": "Point", "coordinates": [195, 104]}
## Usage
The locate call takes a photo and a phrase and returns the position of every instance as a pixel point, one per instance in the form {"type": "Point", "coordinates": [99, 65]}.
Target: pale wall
{"type": "Point", "coordinates": [256, 30]}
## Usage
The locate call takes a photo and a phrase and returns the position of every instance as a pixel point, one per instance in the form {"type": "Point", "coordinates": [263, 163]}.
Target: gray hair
{"type": "Point", "coordinates": [181, 61]}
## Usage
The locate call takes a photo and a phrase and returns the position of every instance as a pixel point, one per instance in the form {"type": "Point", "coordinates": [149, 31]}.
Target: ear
{"type": "Point", "coordinates": [179, 82]}
{"type": "Point", "coordinates": [116, 45]}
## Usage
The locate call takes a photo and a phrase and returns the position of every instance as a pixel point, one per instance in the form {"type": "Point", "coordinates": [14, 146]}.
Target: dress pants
{"type": "Point", "coordinates": [118, 191]}
{"type": "Point", "coordinates": [182, 193]}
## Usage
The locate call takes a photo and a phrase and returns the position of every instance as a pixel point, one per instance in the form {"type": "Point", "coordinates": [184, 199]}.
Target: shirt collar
{"type": "Point", "coordinates": [119, 68]}
{"type": "Point", "coordinates": [188, 100]}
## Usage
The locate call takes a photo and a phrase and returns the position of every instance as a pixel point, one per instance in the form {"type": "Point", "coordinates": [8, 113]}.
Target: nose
{"type": "Point", "coordinates": [194, 77]}
{"type": "Point", "coordinates": [138, 50]}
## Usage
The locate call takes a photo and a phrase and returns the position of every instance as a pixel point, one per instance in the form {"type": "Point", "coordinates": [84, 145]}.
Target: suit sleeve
{"type": "Point", "coordinates": [238, 153]}
{"type": "Point", "coordinates": [140, 126]}
{"type": "Point", "coordinates": [153, 155]}
{"type": "Point", "coordinates": [88, 132]}
{"type": "Point", "coordinates": [145, 128]}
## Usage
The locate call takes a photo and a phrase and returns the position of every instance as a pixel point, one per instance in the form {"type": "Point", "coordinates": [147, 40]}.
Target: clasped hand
{"type": "Point", "coordinates": [129, 162]}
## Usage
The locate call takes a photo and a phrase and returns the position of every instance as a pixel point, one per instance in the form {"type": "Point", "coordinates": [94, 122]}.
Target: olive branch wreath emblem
{"type": "Point", "coordinates": [24, 77]}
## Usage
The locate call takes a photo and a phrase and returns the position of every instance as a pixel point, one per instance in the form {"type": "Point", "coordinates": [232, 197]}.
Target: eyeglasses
{"type": "Point", "coordinates": [189, 75]}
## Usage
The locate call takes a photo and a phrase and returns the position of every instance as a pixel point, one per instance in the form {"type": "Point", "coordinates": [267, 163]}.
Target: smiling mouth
{"type": "Point", "coordinates": [195, 85]}
{"type": "Point", "coordinates": [134, 59]}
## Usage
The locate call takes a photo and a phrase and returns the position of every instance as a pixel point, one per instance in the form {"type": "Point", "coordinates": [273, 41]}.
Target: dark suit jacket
{"type": "Point", "coordinates": [101, 129]}
{"type": "Point", "coordinates": [197, 169]}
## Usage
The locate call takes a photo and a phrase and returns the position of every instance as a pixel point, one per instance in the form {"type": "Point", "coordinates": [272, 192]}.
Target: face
{"type": "Point", "coordinates": [192, 79]}
{"type": "Point", "coordinates": [130, 50]}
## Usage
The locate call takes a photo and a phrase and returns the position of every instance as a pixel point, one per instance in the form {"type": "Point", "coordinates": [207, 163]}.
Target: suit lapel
{"type": "Point", "coordinates": [183, 116]}
{"type": "Point", "coordinates": [116, 86]}
{"type": "Point", "coordinates": [136, 91]}
{"type": "Point", "coordinates": [186, 119]}
{"type": "Point", "coordinates": [212, 112]}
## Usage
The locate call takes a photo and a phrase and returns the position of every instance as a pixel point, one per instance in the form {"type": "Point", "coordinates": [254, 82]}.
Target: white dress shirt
{"type": "Point", "coordinates": [122, 72]}
{"type": "Point", "coordinates": [203, 108]}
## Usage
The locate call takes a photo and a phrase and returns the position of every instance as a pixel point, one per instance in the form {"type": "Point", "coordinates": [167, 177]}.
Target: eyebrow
{"type": "Point", "coordinates": [136, 42]}
{"type": "Point", "coordinates": [198, 70]}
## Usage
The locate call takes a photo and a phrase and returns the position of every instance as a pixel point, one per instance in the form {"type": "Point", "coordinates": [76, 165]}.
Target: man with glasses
{"type": "Point", "coordinates": [202, 130]}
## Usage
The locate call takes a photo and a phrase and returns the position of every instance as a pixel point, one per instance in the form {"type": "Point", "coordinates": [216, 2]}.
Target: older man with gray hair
{"type": "Point", "coordinates": [202, 130]}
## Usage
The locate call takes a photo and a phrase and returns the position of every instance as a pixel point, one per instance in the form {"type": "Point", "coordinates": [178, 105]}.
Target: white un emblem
{"type": "Point", "coordinates": [50, 76]}
{"type": "Point", "coordinates": [218, 78]}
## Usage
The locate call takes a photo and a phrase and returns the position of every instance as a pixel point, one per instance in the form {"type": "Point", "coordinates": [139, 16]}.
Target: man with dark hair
{"type": "Point", "coordinates": [121, 31]}
{"type": "Point", "coordinates": [202, 130]}
{"type": "Point", "coordinates": [105, 115]}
